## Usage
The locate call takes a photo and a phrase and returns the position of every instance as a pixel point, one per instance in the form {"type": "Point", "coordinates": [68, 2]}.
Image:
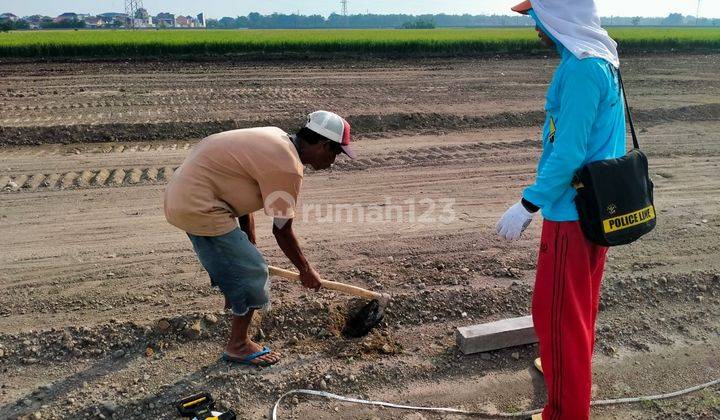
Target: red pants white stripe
{"type": "Point", "coordinates": [564, 309]}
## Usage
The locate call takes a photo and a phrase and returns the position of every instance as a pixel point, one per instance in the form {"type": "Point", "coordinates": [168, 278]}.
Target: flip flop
{"type": "Point", "coordinates": [248, 360]}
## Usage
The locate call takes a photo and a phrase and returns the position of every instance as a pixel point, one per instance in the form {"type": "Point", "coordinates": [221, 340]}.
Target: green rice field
{"type": "Point", "coordinates": [105, 43]}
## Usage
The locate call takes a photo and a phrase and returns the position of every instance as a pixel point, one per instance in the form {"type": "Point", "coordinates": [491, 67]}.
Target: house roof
{"type": "Point", "coordinates": [111, 14]}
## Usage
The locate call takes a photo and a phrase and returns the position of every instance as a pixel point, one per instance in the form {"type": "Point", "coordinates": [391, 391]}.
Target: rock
{"type": "Point", "coordinates": [322, 385]}
{"type": "Point", "coordinates": [211, 319]}
{"type": "Point", "coordinates": [485, 356]}
{"type": "Point", "coordinates": [193, 331]}
{"type": "Point", "coordinates": [2, 353]}
{"type": "Point", "coordinates": [118, 353]}
{"type": "Point", "coordinates": [163, 325]}
{"type": "Point", "coordinates": [515, 356]}
{"type": "Point", "coordinates": [463, 315]}
{"type": "Point", "coordinates": [36, 415]}
{"type": "Point", "coordinates": [108, 407]}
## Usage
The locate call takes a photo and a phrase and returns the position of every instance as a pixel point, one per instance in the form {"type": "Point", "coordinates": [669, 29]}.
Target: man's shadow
{"type": "Point", "coordinates": [62, 387]}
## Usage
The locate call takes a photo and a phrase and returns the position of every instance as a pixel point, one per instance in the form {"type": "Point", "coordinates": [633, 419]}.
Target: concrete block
{"type": "Point", "coordinates": [496, 335]}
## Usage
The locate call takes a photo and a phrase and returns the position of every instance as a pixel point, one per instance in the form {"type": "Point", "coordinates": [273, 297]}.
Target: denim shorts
{"type": "Point", "coordinates": [237, 268]}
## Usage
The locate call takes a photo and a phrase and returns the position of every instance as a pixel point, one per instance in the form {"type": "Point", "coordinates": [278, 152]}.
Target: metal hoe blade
{"type": "Point", "coordinates": [363, 321]}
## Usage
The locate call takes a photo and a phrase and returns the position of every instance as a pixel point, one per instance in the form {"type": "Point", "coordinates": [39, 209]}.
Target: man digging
{"type": "Point", "coordinates": [585, 123]}
{"type": "Point", "coordinates": [213, 195]}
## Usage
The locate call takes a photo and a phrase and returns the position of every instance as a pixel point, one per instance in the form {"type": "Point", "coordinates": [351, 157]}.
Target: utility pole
{"type": "Point", "coordinates": [697, 16]}
{"type": "Point", "coordinates": [344, 4]}
{"type": "Point", "coordinates": [131, 7]}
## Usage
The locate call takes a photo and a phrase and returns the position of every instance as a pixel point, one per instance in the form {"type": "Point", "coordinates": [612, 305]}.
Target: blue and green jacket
{"type": "Point", "coordinates": [585, 123]}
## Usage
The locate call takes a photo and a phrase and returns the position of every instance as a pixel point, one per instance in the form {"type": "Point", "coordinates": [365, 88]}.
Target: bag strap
{"type": "Point", "coordinates": [627, 108]}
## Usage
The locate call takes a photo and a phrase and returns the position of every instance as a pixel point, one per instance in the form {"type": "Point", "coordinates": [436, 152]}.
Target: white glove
{"type": "Point", "coordinates": [514, 222]}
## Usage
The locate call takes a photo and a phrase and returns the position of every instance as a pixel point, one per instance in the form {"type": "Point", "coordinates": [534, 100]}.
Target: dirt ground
{"type": "Point", "coordinates": [105, 311]}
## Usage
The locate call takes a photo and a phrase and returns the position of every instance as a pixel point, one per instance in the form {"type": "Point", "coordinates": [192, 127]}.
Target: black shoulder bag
{"type": "Point", "coordinates": [615, 196]}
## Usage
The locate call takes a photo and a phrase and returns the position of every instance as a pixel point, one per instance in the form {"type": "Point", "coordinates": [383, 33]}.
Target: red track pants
{"type": "Point", "coordinates": [564, 308]}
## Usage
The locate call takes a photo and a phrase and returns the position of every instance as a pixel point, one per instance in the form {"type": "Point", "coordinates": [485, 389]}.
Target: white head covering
{"type": "Point", "coordinates": [576, 25]}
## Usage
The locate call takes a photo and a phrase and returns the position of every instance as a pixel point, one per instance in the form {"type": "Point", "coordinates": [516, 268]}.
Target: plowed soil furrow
{"type": "Point", "coordinates": [175, 100]}
{"type": "Point", "coordinates": [367, 125]}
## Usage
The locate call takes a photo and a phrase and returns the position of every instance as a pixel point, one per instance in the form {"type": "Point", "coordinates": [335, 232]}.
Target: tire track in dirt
{"type": "Point", "coordinates": [100, 149]}
{"type": "Point", "coordinates": [135, 176]}
{"type": "Point", "coordinates": [192, 98]}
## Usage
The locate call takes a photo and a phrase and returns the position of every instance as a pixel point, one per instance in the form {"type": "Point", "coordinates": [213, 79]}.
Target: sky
{"type": "Point", "coordinates": [220, 8]}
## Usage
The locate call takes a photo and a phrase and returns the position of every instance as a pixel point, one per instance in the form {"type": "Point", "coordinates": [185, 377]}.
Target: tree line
{"type": "Point", "coordinates": [366, 21]}
{"type": "Point", "coordinates": [47, 23]}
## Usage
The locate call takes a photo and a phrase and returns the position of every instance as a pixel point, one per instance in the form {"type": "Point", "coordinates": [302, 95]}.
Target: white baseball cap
{"type": "Point", "coordinates": [333, 127]}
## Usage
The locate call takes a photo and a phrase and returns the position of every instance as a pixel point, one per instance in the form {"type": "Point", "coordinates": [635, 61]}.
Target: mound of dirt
{"type": "Point", "coordinates": [363, 125]}
{"type": "Point", "coordinates": [372, 125]}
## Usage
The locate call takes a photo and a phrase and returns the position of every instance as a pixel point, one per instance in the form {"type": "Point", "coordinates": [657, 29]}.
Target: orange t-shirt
{"type": "Point", "coordinates": [232, 174]}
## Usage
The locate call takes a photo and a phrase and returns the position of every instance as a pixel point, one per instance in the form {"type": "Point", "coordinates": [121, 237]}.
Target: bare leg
{"type": "Point", "coordinates": [240, 344]}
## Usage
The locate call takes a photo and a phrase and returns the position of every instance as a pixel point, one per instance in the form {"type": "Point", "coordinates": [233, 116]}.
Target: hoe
{"type": "Point", "coordinates": [360, 322]}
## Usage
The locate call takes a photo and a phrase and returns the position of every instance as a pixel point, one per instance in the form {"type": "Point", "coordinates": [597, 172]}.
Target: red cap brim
{"type": "Point", "coordinates": [523, 7]}
{"type": "Point", "coordinates": [349, 152]}
{"type": "Point", "coordinates": [345, 143]}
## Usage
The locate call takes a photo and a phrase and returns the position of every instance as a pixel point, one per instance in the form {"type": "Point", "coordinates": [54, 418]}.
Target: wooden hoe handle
{"type": "Point", "coordinates": [332, 285]}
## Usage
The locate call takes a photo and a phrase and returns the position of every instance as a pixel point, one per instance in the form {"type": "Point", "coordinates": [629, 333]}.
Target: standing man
{"type": "Point", "coordinates": [214, 194]}
{"type": "Point", "coordinates": [585, 123]}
